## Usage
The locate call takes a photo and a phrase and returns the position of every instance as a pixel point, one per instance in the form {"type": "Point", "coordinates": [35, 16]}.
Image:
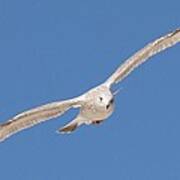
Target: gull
{"type": "Point", "coordinates": [95, 105]}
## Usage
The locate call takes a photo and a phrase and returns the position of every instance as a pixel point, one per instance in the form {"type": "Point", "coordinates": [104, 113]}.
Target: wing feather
{"type": "Point", "coordinates": [35, 116]}
{"type": "Point", "coordinates": [144, 54]}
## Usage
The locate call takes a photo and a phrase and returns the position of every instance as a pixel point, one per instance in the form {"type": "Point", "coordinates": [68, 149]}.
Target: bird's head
{"type": "Point", "coordinates": [104, 99]}
{"type": "Point", "coordinates": [99, 103]}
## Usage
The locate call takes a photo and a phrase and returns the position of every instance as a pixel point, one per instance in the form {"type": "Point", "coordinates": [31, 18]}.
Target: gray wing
{"type": "Point", "coordinates": [35, 116]}
{"type": "Point", "coordinates": [143, 55]}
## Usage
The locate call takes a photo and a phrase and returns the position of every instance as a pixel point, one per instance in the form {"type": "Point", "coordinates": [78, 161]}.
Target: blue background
{"type": "Point", "coordinates": [53, 50]}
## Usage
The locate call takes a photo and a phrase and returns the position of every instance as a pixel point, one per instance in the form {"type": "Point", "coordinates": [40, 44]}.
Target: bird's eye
{"type": "Point", "coordinates": [100, 98]}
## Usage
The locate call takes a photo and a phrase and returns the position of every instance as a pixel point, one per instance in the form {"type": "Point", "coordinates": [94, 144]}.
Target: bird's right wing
{"type": "Point", "coordinates": [35, 116]}
{"type": "Point", "coordinates": [143, 55]}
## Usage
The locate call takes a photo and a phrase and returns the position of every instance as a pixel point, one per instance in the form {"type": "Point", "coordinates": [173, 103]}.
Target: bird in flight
{"type": "Point", "coordinates": [95, 105]}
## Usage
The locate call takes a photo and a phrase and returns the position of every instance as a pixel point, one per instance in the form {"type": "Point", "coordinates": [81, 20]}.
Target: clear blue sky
{"type": "Point", "coordinates": [52, 50]}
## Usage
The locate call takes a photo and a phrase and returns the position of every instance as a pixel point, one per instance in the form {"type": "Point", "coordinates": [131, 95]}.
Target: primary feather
{"type": "Point", "coordinates": [35, 116]}
{"type": "Point", "coordinates": [144, 54]}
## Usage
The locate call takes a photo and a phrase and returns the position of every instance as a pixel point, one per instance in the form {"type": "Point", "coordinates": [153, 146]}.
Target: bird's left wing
{"type": "Point", "coordinates": [143, 55]}
{"type": "Point", "coordinates": [35, 116]}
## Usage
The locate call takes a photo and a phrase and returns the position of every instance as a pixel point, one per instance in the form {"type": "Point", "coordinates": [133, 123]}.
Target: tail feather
{"type": "Point", "coordinates": [68, 128]}
{"type": "Point", "coordinates": [73, 125]}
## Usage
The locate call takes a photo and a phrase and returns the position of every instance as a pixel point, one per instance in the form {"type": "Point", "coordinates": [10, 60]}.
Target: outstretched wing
{"type": "Point", "coordinates": [143, 55]}
{"type": "Point", "coordinates": [37, 115]}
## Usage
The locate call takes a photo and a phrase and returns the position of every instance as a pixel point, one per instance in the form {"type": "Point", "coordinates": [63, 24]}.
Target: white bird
{"type": "Point", "coordinates": [97, 104]}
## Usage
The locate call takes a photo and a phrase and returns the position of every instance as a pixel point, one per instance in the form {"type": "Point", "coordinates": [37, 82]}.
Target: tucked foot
{"type": "Point", "coordinates": [97, 122]}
